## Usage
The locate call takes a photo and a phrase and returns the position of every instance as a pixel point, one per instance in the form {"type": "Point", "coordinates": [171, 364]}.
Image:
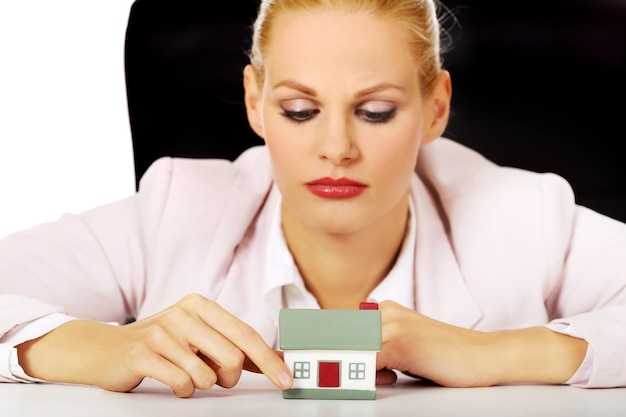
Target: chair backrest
{"type": "Point", "coordinates": [536, 85]}
{"type": "Point", "coordinates": [184, 62]}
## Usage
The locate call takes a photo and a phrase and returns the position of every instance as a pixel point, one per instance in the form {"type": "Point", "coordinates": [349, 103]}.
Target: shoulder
{"type": "Point", "coordinates": [204, 193]}
{"type": "Point", "coordinates": [465, 181]}
{"type": "Point", "coordinates": [492, 207]}
{"type": "Point", "coordinates": [252, 168]}
{"type": "Point", "coordinates": [457, 171]}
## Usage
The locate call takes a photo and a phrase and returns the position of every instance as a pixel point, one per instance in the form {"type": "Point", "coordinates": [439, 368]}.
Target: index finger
{"type": "Point", "coordinates": [250, 366]}
{"type": "Point", "coordinates": [250, 342]}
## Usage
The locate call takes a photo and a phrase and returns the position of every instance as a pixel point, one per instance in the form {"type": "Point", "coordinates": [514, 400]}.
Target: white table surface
{"type": "Point", "coordinates": [255, 396]}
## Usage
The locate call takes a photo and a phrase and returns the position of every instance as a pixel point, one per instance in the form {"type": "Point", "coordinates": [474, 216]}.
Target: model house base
{"type": "Point", "coordinates": [333, 394]}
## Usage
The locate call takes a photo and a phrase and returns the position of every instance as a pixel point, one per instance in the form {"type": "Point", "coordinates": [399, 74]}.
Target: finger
{"type": "Point", "coordinates": [227, 377]}
{"type": "Point", "coordinates": [391, 311]}
{"type": "Point", "coordinates": [386, 377]}
{"type": "Point", "coordinates": [183, 357]}
{"type": "Point", "coordinates": [216, 351]}
{"type": "Point", "coordinates": [249, 342]}
{"type": "Point", "coordinates": [250, 366]}
{"type": "Point", "coordinates": [164, 371]}
{"type": "Point", "coordinates": [384, 358]}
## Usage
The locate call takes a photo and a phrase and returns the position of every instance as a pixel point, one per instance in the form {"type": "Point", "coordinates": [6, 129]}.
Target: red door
{"type": "Point", "coordinates": [328, 375]}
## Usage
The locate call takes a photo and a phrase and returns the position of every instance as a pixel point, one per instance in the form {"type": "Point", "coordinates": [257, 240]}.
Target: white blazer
{"type": "Point", "coordinates": [496, 248]}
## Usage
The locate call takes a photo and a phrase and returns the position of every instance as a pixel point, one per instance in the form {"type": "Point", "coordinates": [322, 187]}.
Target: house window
{"type": "Point", "coordinates": [357, 370]}
{"type": "Point", "coordinates": [328, 376]}
{"type": "Point", "coordinates": [301, 370]}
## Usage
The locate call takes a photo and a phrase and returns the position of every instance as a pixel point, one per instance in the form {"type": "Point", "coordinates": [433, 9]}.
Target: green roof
{"type": "Point", "coordinates": [314, 329]}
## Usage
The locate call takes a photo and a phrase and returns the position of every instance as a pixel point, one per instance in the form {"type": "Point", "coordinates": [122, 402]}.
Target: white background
{"type": "Point", "coordinates": [65, 143]}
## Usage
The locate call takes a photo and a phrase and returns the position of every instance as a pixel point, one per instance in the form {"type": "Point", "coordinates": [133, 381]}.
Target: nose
{"type": "Point", "coordinates": [338, 145]}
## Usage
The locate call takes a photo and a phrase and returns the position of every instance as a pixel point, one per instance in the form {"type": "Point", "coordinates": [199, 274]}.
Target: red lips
{"type": "Point", "coordinates": [336, 187]}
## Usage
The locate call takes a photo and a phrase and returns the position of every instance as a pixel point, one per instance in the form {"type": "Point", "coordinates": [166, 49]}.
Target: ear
{"type": "Point", "coordinates": [437, 105]}
{"type": "Point", "coordinates": [252, 98]}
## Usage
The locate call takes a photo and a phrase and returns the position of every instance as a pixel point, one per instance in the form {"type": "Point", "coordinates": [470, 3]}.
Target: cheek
{"type": "Point", "coordinates": [279, 134]}
{"type": "Point", "coordinates": [279, 139]}
{"type": "Point", "coordinates": [281, 160]}
{"type": "Point", "coordinates": [395, 149]}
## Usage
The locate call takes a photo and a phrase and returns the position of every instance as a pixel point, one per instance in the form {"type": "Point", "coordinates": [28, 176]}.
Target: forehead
{"type": "Point", "coordinates": [350, 47]}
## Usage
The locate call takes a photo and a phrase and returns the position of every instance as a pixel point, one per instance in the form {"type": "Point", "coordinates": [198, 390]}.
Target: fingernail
{"type": "Point", "coordinates": [284, 379]}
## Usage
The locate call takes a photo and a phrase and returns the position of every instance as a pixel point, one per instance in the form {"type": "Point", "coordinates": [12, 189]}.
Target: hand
{"type": "Point", "coordinates": [193, 344]}
{"type": "Point", "coordinates": [458, 357]}
{"type": "Point", "coordinates": [444, 354]}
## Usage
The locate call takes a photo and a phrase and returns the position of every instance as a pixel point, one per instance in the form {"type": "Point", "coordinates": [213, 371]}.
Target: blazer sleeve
{"type": "Point", "coordinates": [568, 262]}
{"type": "Point", "coordinates": [590, 293]}
{"type": "Point", "coordinates": [88, 265]}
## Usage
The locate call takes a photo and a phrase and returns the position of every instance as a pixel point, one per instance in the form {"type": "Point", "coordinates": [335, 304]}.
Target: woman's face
{"type": "Point", "coordinates": [342, 116]}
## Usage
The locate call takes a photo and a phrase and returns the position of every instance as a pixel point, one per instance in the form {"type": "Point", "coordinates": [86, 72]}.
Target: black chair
{"type": "Point", "coordinates": [184, 62]}
{"type": "Point", "coordinates": [537, 85]}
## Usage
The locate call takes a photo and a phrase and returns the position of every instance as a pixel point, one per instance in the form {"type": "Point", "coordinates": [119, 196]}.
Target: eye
{"type": "Point", "coordinates": [376, 112]}
{"type": "Point", "coordinates": [299, 110]}
{"type": "Point", "coordinates": [300, 115]}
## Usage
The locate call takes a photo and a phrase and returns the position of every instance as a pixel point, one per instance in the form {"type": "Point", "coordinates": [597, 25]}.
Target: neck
{"type": "Point", "coordinates": [341, 270]}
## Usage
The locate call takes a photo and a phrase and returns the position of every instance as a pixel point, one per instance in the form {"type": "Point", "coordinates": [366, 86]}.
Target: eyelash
{"type": "Point", "coordinates": [379, 116]}
{"type": "Point", "coordinates": [372, 117]}
{"type": "Point", "coordinates": [300, 116]}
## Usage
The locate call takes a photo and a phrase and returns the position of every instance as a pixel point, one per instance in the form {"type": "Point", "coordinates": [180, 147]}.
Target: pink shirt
{"type": "Point", "coordinates": [494, 248]}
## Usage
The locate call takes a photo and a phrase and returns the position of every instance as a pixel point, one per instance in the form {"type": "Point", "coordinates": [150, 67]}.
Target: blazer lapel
{"type": "Point", "coordinates": [440, 289]}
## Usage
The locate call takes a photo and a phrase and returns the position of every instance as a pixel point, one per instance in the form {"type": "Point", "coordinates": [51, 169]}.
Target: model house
{"type": "Point", "coordinates": [331, 353]}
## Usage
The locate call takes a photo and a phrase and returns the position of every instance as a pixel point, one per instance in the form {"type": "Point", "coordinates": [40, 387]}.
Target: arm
{"type": "Point", "coordinates": [192, 344]}
{"type": "Point", "coordinates": [454, 356]}
{"type": "Point", "coordinates": [88, 265]}
{"type": "Point", "coordinates": [589, 294]}
{"type": "Point", "coordinates": [64, 267]}
{"type": "Point", "coordinates": [551, 261]}
{"type": "Point", "coordinates": [55, 269]}
{"type": "Point", "coordinates": [10, 370]}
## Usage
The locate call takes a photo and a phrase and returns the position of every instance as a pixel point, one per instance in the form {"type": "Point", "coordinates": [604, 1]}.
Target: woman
{"type": "Point", "coordinates": [485, 275]}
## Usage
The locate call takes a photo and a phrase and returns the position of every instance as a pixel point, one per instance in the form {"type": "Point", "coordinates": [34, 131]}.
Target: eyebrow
{"type": "Point", "coordinates": [294, 85]}
{"type": "Point", "coordinates": [379, 87]}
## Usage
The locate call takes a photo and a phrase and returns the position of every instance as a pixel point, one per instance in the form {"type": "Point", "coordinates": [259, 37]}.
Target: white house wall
{"type": "Point", "coordinates": [345, 357]}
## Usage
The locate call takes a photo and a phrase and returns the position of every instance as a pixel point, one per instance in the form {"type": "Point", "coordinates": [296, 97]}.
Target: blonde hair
{"type": "Point", "coordinates": [419, 17]}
